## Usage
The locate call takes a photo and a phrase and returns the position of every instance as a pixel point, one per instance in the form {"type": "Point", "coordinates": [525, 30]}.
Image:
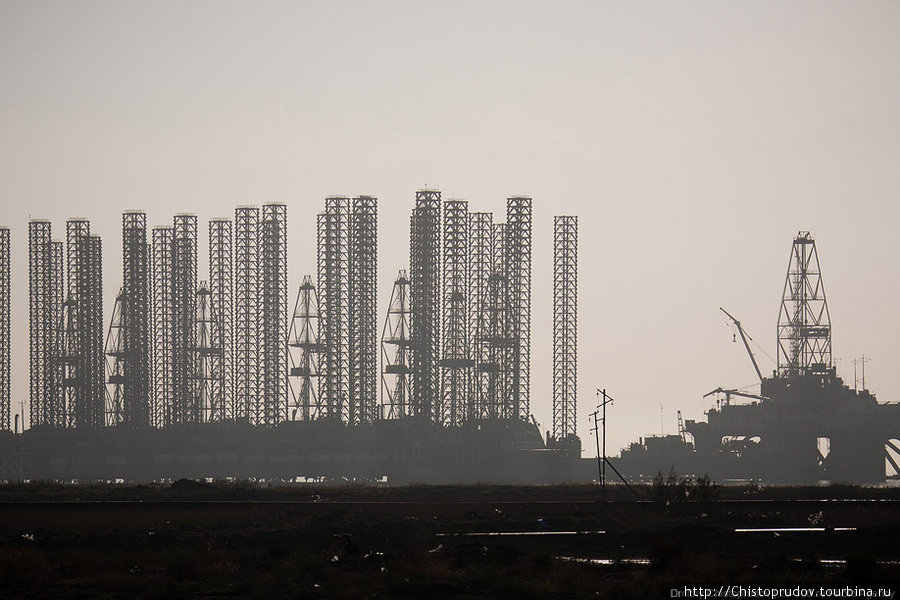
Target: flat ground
{"type": "Point", "coordinates": [228, 540]}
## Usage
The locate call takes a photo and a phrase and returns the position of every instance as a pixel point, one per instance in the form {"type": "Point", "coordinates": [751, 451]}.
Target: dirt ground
{"type": "Point", "coordinates": [242, 539]}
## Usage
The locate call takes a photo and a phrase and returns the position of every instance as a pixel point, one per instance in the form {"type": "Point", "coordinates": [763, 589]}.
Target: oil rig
{"type": "Point", "coordinates": [215, 378]}
{"type": "Point", "coordinates": [806, 425]}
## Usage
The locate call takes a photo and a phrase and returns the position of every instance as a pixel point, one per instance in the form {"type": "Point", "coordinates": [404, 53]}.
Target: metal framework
{"type": "Point", "coordinates": [4, 330]}
{"type": "Point", "coordinates": [208, 377]}
{"type": "Point", "coordinates": [518, 272]}
{"type": "Point", "coordinates": [497, 350]}
{"type": "Point", "coordinates": [334, 288]}
{"type": "Point", "coordinates": [273, 316]}
{"type": "Point", "coordinates": [424, 261]}
{"type": "Point", "coordinates": [362, 301]}
{"type": "Point", "coordinates": [114, 413]}
{"type": "Point", "coordinates": [456, 363]}
{"type": "Point", "coordinates": [135, 320]}
{"type": "Point", "coordinates": [304, 350]}
{"type": "Point", "coordinates": [395, 351]}
{"type": "Point", "coordinates": [185, 408]}
{"type": "Point", "coordinates": [804, 324]}
{"type": "Point", "coordinates": [161, 265]}
{"type": "Point", "coordinates": [565, 326]}
{"type": "Point", "coordinates": [40, 323]}
{"type": "Point", "coordinates": [481, 253]}
{"type": "Point", "coordinates": [84, 382]}
{"type": "Point", "coordinates": [246, 311]}
{"type": "Point", "coordinates": [221, 287]}
{"type": "Point", "coordinates": [55, 376]}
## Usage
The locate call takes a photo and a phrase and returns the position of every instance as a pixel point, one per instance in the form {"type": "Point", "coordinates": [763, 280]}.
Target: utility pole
{"type": "Point", "coordinates": [602, 406]}
{"type": "Point", "coordinates": [600, 464]}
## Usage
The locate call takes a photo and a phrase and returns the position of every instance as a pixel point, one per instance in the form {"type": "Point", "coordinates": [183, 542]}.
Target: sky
{"type": "Point", "coordinates": [693, 139]}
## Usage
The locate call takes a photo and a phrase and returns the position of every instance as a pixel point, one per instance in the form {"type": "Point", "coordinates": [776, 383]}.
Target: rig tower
{"type": "Point", "coordinates": [273, 316]}
{"type": "Point", "coordinates": [424, 261]}
{"type": "Point", "coordinates": [41, 322]}
{"type": "Point", "coordinates": [517, 254]}
{"type": "Point", "coordinates": [185, 407]}
{"type": "Point", "coordinates": [221, 287]}
{"type": "Point", "coordinates": [304, 350]}
{"type": "Point", "coordinates": [246, 312]}
{"type": "Point", "coordinates": [135, 320]}
{"type": "Point", "coordinates": [481, 252]}
{"type": "Point", "coordinates": [804, 324]}
{"type": "Point", "coordinates": [565, 326]}
{"type": "Point", "coordinates": [395, 351]}
{"type": "Point", "coordinates": [334, 325]}
{"type": "Point", "coordinates": [456, 363]}
{"type": "Point", "coordinates": [363, 273]}
{"type": "Point", "coordinates": [4, 330]}
{"type": "Point", "coordinates": [161, 270]}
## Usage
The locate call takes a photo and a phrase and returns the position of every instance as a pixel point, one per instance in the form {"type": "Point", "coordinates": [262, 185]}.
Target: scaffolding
{"type": "Point", "coordinates": [208, 377]}
{"type": "Point", "coordinates": [4, 330]}
{"type": "Point", "coordinates": [518, 272]}
{"type": "Point", "coordinates": [273, 316]}
{"type": "Point", "coordinates": [221, 286]}
{"type": "Point", "coordinates": [565, 326]}
{"type": "Point", "coordinates": [304, 350]}
{"type": "Point", "coordinates": [334, 288]}
{"type": "Point", "coordinates": [135, 320]}
{"type": "Point", "coordinates": [424, 260]}
{"type": "Point", "coordinates": [395, 351]}
{"type": "Point", "coordinates": [41, 324]}
{"type": "Point", "coordinates": [804, 323]}
{"type": "Point", "coordinates": [185, 408]}
{"type": "Point", "coordinates": [162, 326]}
{"type": "Point", "coordinates": [481, 252]}
{"type": "Point", "coordinates": [456, 363]}
{"type": "Point", "coordinates": [498, 350]}
{"type": "Point", "coordinates": [362, 299]}
{"type": "Point", "coordinates": [246, 311]}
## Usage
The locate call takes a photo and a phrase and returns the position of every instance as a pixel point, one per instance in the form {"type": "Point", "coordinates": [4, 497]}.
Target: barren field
{"type": "Point", "coordinates": [229, 540]}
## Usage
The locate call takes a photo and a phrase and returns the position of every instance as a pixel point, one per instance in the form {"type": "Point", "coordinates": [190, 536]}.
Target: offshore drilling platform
{"type": "Point", "coordinates": [805, 425]}
{"type": "Point", "coordinates": [215, 378]}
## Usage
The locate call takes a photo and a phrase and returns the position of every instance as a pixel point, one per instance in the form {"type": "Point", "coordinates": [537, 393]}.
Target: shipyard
{"type": "Point", "coordinates": [214, 378]}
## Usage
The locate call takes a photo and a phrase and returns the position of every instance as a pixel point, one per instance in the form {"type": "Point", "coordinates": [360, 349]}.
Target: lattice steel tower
{"type": "Point", "coordinates": [208, 376]}
{"type": "Point", "coordinates": [162, 380]}
{"type": "Point", "coordinates": [424, 261]}
{"type": "Point", "coordinates": [395, 351]}
{"type": "Point", "coordinates": [481, 252]}
{"type": "Point", "coordinates": [246, 311]}
{"type": "Point", "coordinates": [565, 326]}
{"type": "Point", "coordinates": [185, 407]}
{"type": "Point", "coordinates": [273, 315]}
{"type": "Point", "coordinates": [41, 323]}
{"type": "Point", "coordinates": [221, 286]}
{"type": "Point", "coordinates": [4, 330]}
{"type": "Point", "coordinates": [804, 324]}
{"type": "Point", "coordinates": [334, 290]}
{"type": "Point", "coordinates": [498, 350]}
{"type": "Point", "coordinates": [304, 350]}
{"type": "Point", "coordinates": [456, 363]}
{"type": "Point", "coordinates": [135, 320]}
{"type": "Point", "coordinates": [518, 272]}
{"type": "Point", "coordinates": [362, 341]}
{"type": "Point", "coordinates": [115, 364]}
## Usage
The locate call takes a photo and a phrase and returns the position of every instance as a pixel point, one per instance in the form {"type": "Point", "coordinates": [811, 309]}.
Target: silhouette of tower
{"type": "Point", "coordinates": [565, 326]}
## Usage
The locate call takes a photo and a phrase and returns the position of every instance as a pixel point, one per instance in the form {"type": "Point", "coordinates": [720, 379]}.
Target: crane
{"type": "Point", "coordinates": [730, 393]}
{"type": "Point", "coordinates": [744, 338]}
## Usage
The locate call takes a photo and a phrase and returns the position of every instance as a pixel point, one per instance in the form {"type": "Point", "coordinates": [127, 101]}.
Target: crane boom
{"type": "Point", "coordinates": [744, 338]}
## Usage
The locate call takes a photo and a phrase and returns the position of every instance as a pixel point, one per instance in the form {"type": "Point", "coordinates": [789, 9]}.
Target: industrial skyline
{"type": "Point", "coordinates": [691, 141]}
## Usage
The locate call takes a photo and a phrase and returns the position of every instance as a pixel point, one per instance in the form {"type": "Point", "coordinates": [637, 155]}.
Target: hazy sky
{"type": "Point", "coordinates": [693, 139]}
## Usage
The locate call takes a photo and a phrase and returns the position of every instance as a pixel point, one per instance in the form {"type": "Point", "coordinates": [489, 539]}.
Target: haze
{"type": "Point", "coordinates": [693, 139]}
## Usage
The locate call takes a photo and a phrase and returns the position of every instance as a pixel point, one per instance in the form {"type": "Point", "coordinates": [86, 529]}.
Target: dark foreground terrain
{"type": "Point", "coordinates": [229, 540]}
